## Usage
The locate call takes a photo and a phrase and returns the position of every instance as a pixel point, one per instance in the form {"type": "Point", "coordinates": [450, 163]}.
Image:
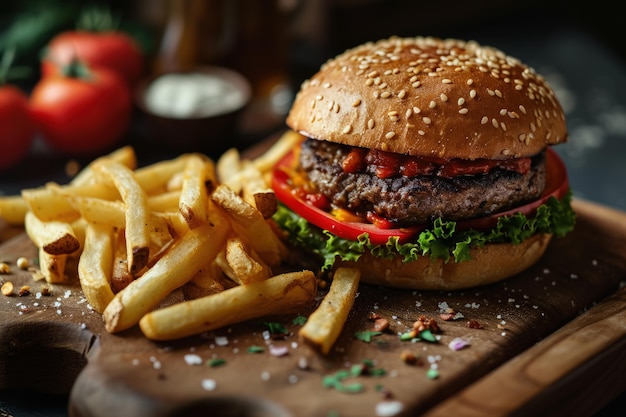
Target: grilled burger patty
{"type": "Point", "coordinates": [419, 199]}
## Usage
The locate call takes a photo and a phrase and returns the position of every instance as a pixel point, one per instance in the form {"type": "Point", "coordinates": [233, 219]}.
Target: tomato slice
{"type": "Point", "coordinates": [556, 186]}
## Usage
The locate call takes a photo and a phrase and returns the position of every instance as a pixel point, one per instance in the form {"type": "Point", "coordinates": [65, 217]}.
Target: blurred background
{"type": "Point", "coordinates": [276, 44]}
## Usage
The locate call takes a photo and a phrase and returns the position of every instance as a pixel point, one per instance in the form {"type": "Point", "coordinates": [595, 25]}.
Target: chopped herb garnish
{"type": "Point", "coordinates": [432, 373]}
{"type": "Point", "coordinates": [367, 335]}
{"type": "Point", "coordinates": [215, 362]}
{"type": "Point", "coordinates": [428, 336]}
{"type": "Point", "coordinates": [299, 321]}
{"type": "Point", "coordinates": [276, 328]}
{"type": "Point", "coordinates": [256, 349]}
{"type": "Point", "coordinates": [336, 381]}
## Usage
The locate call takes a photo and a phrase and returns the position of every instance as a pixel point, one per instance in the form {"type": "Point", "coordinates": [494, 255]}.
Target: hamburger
{"type": "Point", "coordinates": [426, 163]}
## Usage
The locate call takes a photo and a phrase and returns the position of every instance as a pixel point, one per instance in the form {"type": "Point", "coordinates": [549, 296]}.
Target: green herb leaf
{"type": "Point", "coordinates": [276, 328]}
{"type": "Point", "coordinates": [428, 336]}
{"type": "Point", "coordinates": [441, 240]}
{"type": "Point", "coordinates": [367, 335]}
{"type": "Point", "coordinates": [215, 362]}
{"type": "Point", "coordinates": [256, 349]}
{"type": "Point", "coordinates": [299, 321]}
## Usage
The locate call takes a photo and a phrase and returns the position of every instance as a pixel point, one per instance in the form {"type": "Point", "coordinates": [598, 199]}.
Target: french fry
{"type": "Point", "coordinates": [228, 167]}
{"type": "Point", "coordinates": [98, 211]}
{"type": "Point", "coordinates": [325, 324]}
{"type": "Point", "coordinates": [52, 267]}
{"type": "Point", "coordinates": [193, 201]}
{"type": "Point", "coordinates": [153, 178]}
{"type": "Point", "coordinates": [277, 295]}
{"type": "Point", "coordinates": [256, 191]}
{"type": "Point", "coordinates": [175, 268]}
{"type": "Point", "coordinates": [288, 141]}
{"type": "Point", "coordinates": [95, 266]}
{"type": "Point", "coordinates": [120, 277]}
{"type": "Point", "coordinates": [13, 209]}
{"type": "Point", "coordinates": [209, 280]}
{"type": "Point", "coordinates": [166, 201]}
{"type": "Point", "coordinates": [241, 264]}
{"type": "Point", "coordinates": [55, 238]}
{"type": "Point", "coordinates": [124, 155]}
{"type": "Point", "coordinates": [248, 222]}
{"type": "Point", "coordinates": [138, 215]}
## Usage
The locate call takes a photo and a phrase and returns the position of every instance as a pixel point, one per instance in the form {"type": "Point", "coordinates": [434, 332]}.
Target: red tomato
{"type": "Point", "coordinates": [82, 115]}
{"type": "Point", "coordinates": [114, 50]}
{"type": "Point", "coordinates": [16, 126]}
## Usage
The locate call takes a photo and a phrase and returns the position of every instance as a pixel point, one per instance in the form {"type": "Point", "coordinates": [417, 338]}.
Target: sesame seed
{"type": "Point", "coordinates": [356, 102]}
{"type": "Point", "coordinates": [522, 137]}
{"type": "Point", "coordinates": [432, 104]}
{"type": "Point", "coordinates": [402, 93]}
{"type": "Point", "coordinates": [416, 84]}
{"type": "Point", "coordinates": [376, 94]}
{"type": "Point", "coordinates": [319, 97]}
{"type": "Point", "coordinates": [371, 123]}
{"type": "Point", "coordinates": [383, 85]}
{"type": "Point", "coordinates": [347, 129]}
{"type": "Point", "coordinates": [417, 110]}
{"type": "Point", "coordinates": [503, 126]}
{"type": "Point", "coordinates": [491, 92]}
{"type": "Point", "coordinates": [385, 94]}
{"type": "Point", "coordinates": [426, 120]}
{"type": "Point", "coordinates": [460, 101]}
{"type": "Point", "coordinates": [369, 82]}
{"type": "Point", "coordinates": [484, 120]}
{"type": "Point", "coordinates": [372, 74]}
{"type": "Point", "coordinates": [498, 93]}
{"type": "Point", "coordinates": [390, 135]}
{"type": "Point", "coordinates": [446, 81]}
{"type": "Point", "coordinates": [469, 82]}
{"type": "Point", "coordinates": [522, 109]}
{"type": "Point", "coordinates": [472, 93]}
{"type": "Point", "coordinates": [336, 108]}
{"type": "Point", "coordinates": [408, 113]}
{"type": "Point", "coordinates": [326, 85]}
{"type": "Point", "coordinates": [463, 110]}
{"type": "Point", "coordinates": [494, 123]}
{"type": "Point", "coordinates": [421, 132]}
{"type": "Point", "coordinates": [502, 112]}
{"type": "Point", "coordinates": [443, 97]}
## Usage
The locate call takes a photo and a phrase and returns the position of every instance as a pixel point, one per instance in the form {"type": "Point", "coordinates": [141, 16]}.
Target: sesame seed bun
{"type": "Point", "coordinates": [430, 97]}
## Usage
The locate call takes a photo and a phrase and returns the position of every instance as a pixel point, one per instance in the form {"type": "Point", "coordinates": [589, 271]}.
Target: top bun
{"type": "Point", "coordinates": [430, 97]}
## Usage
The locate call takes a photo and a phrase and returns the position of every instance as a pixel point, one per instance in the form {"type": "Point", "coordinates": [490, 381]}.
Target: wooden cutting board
{"type": "Point", "coordinates": [546, 333]}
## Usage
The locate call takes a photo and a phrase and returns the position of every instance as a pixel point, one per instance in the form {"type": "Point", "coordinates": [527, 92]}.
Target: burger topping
{"type": "Point", "coordinates": [388, 165]}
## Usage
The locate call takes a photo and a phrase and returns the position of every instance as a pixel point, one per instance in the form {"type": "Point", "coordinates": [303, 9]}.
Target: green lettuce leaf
{"type": "Point", "coordinates": [441, 240]}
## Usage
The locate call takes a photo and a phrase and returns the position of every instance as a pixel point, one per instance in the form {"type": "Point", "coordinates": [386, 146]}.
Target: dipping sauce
{"type": "Point", "coordinates": [193, 95]}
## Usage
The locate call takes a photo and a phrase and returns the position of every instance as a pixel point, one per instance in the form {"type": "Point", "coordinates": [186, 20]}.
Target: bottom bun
{"type": "Point", "coordinates": [489, 263]}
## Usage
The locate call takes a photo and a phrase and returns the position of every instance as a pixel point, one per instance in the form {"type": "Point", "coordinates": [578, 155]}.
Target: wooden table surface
{"type": "Point", "coordinates": [552, 342]}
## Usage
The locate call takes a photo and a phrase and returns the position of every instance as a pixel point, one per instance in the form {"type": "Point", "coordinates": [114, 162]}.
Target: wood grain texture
{"type": "Point", "coordinates": [545, 333]}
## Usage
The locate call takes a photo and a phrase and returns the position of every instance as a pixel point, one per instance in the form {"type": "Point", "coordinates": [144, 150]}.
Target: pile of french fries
{"type": "Point", "coordinates": [190, 222]}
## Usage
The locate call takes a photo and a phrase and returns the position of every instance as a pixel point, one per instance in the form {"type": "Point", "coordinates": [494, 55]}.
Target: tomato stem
{"type": "Point", "coordinates": [76, 69]}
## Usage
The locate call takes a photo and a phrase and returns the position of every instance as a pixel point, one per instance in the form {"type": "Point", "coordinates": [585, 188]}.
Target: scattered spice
{"type": "Point", "coordinates": [409, 357]}
{"type": "Point", "coordinates": [22, 263]}
{"type": "Point", "coordinates": [424, 323]}
{"type": "Point", "coordinates": [474, 324]}
{"type": "Point", "coordinates": [7, 288]}
{"type": "Point", "coordinates": [4, 268]}
{"type": "Point", "coordinates": [24, 291]}
{"type": "Point", "coordinates": [458, 343]}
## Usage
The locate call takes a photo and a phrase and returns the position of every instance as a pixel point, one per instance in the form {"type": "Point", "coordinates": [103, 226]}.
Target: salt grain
{"type": "Point", "coordinates": [209, 384]}
{"type": "Point", "coordinates": [193, 359]}
{"type": "Point", "coordinates": [389, 408]}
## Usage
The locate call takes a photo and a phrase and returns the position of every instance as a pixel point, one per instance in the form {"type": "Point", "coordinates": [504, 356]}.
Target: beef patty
{"type": "Point", "coordinates": [419, 199]}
